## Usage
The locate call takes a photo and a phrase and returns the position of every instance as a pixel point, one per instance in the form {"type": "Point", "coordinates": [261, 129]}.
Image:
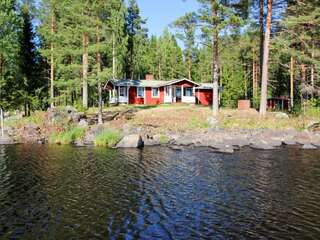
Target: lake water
{"type": "Point", "coordinates": [64, 192]}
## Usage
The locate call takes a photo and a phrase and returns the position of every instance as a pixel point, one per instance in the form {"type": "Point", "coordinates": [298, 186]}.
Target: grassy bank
{"type": "Point", "coordinates": [107, 138]}
{"type": "Point", "coordinates": [68, 137]}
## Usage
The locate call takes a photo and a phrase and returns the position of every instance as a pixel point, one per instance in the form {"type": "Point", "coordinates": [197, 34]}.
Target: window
{"type": "Point", "coordinates": [123, 91]}
{"type": "Point", "coordinates": [140, 92]}
{"type": "Point", "coordinates": [167, 90]}
{"type": "Point", "coordinates": [188, 92]}
{"type": "Point", "coordinates": [155, 92]}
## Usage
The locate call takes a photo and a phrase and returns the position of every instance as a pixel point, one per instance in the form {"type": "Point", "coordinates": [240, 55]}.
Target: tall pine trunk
{"type": "Point", "coordinates": [312, 69]}
{"type": "Point", "coordinates": [85, 67]}
{"type": "Point", "coordinates": [291, 82]}
{"type": "Point", "coordinates": [215, 61]}
{"type": "Point", "coordinates": [303, 82]}
{"type": "Point", "coordinates": [114, 68]}
{"type": "Point", "coordinates": [53, 25]}
{"type": "Point", "coordinates": [265, 63]}
{"type": "Point", "coordinates": [190, 67]}
{"type": "Point", "coordinates": [100, 121]}
{"type": "Point", "coordinates": [261, 23]}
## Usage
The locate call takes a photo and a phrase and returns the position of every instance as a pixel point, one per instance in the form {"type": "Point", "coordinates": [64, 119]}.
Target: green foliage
{"type": "Point", "coordinates": [68, 137]}
{"type": "Point", "coordinates": [107, 138]}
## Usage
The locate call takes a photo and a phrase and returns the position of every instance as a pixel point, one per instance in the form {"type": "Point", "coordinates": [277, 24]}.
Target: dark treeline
{"type": "Point", "coordinates": [58, 52]}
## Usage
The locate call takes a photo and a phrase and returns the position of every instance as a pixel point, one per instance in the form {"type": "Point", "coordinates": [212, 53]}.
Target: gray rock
{"type": "Point", "coordinates": [176, 148]}
{"type": "Point", "coordinates": [281, 115]}
{"type": "Point", "coordinates": [213, 122]}
{"type": "Point", "coordinates": [261, 146]}
{"type": "Point", "coordinates": [308, 147]}
{"type": "Point", "coordinates": [313, 126]}
{"type": "Point", "coordinates": [289, 142]}
{"type": "Point", "coordinates": [152, 140]}
{"type": "Point", "coordinates": [225, 150]}
{"type": "Point", "coordinates": [131, 141]}
{"type": "Point", "coordinates": [83, 123]}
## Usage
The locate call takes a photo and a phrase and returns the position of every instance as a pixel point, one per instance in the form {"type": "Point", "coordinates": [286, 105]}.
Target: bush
{"type": "Point", "coordinates": [68, 137]}
{"type": "Point", "coordinates": [108, 138]}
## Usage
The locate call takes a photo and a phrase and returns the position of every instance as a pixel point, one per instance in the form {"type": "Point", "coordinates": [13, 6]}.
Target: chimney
{"type": "Point", "coordinates": [149, 77]}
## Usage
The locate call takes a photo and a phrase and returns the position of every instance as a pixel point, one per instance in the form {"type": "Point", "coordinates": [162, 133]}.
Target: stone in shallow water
{"type": "Point", "coordinates": [290, 142]}
{"type": "Point", "coordinates": [224, 150]}
{"type": "Point", "coordinates": [176, 148]}
{"type": "Point", "coordinates": [131, 141]}
{"type": "Point", "coordinates": [308, 147]}
{"type": "Point", "coordinates": [261, 146]}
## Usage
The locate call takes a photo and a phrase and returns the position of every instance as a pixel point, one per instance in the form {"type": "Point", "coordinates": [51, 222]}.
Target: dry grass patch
{"type": "Point", "coordinates": [252, 120]}
{"type": "Point", "coordinates": [173, 118]}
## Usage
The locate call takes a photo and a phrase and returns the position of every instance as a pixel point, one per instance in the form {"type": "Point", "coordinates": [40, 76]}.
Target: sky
{"type": "Point", "coordinates": [161, 13]}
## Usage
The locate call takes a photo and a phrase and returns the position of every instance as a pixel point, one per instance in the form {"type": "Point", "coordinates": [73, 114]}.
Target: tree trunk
{"type": "Point", "coordinates": [312, 69]}
{"type": "Point", "coordinates": [291, 82]}
{"type": "Point", "coordinates": [265, 65]}
{"type": "Point", "coordinates": [85, 66]}
{"type": "Point", "coordinates": [190, 67]}
{"type": "Point", "coordinates": [303, 81]}
{"type": "Point", "coordinates": [53, 25]}
{"type": "Point", "coordinates": [215, 62]}
{"type": "Point", "coordinates": [100, 121]}
{"type": "Point", "coordinates": [113, 56]}
{"type": "Point", "coordinates": [254, 80]}
{"type": "Point", "coordinates": [261, 23]}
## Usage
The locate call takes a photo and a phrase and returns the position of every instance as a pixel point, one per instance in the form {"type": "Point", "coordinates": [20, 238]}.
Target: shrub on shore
{"type": "Point", "coordinates": [107, 138]}
{"type": "Point", "coordinates": [68, 137]}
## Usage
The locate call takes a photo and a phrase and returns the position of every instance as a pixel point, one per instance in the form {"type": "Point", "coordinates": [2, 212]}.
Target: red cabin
{"type": "Point", "coordinates": [157, 92]}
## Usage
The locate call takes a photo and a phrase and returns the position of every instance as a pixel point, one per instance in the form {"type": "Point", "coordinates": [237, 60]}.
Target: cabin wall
{"type": "Point", "coordinates": [151, 100]}
{"type": "Point", "coordinates": [204, 96]}
{"type": "Point", "coordinates": [133, 98]}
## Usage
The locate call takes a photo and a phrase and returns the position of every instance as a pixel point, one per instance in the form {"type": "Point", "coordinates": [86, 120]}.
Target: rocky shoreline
{"type": "Point", "coordinates": [222, 140]}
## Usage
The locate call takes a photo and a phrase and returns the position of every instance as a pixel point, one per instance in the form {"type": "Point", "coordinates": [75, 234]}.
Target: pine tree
{"type": "Point", "coordinates": [187, 28]}
{"type": "Point", "coordinates": [9, 30]}
{"type": "Point", "coordinates": [137, 35]}
{"type": "Point", "coordinates": [216, 16]}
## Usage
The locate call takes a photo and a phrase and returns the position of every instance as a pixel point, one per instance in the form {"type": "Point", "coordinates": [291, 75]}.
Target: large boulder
{"type": "Point", "coordinates": [309, 147]}
{"type": "Point", "coordinates": [131, 141]}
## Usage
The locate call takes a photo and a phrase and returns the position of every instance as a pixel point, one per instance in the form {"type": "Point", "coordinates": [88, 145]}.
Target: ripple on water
{"type": "Point", "coordinates": [63, 192]}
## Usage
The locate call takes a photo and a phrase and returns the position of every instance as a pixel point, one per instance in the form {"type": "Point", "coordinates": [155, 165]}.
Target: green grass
{"type": "Point", "coordinates": [68, 137]}
{"type": "Point", "coordinates": [107, 138]}
{"type": "Point", "coordinates": [37, 118]}
{"type": "Point", "coordinates": [164, 139]}
{"type": "Point", "coordinates": [196, 123]}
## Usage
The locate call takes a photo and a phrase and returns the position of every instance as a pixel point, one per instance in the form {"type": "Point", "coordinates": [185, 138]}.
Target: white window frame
{"type": "Point", "coordinates": [124, 91]}
{"type": "Point", "coordinates": [167, 88]}
{"type": "Point", "coordinates": [185, 91]}
{"type": "Point", "coordinates": [155, 96]}
{"type": "Point", "coordinates": [144, 92]}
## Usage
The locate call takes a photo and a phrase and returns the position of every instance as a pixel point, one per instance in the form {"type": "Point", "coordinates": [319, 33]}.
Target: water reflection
{"type": "Point", "coordinates": [63, 192]}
